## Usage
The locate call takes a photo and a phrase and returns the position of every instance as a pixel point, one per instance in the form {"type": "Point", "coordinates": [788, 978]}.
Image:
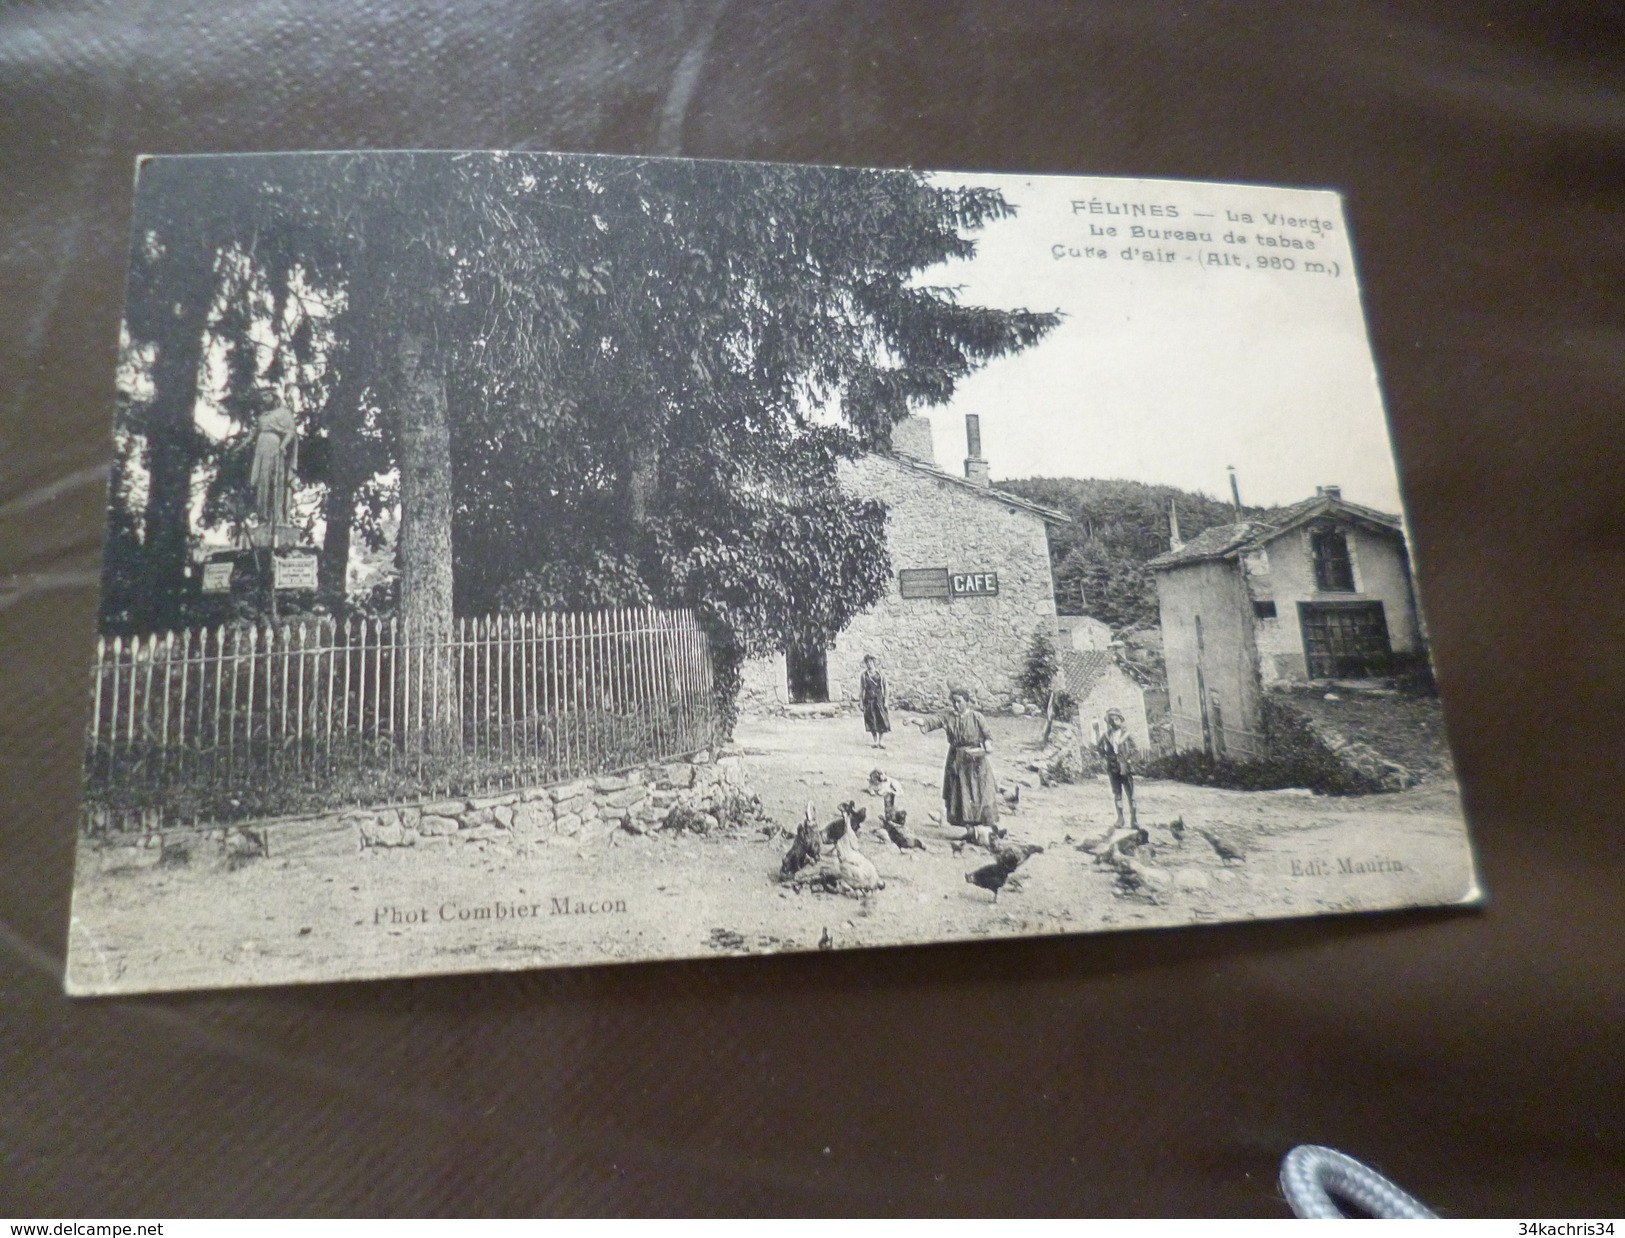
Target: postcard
{"type": "Point", "coordinates": [522, 560]}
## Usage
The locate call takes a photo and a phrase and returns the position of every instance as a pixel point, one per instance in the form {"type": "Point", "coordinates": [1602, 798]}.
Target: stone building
{"type": "Point", "coordinates": [971, 586]}
{"type": "Point", "coordinates": [1098, 683]}
{"type": "Point", "coordinates": [1321, 592]}
{"type": "Point", "coordinates": [1082, 632]}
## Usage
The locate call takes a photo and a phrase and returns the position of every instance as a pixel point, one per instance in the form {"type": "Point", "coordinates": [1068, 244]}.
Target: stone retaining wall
{"type": "Point", "coordinates": [637, 800]}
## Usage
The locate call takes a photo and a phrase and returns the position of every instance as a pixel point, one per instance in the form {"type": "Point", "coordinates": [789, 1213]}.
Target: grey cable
{"type": "Point", "coordinates": [1311, 1175]}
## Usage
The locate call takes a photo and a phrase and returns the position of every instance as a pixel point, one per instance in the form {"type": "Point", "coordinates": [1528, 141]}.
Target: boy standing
{"type": "Point", "coordinates": [1120, 753]}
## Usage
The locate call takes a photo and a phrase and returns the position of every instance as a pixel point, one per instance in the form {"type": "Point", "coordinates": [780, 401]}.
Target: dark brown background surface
{"type": "Point", "coordinates": [1477, 1057]}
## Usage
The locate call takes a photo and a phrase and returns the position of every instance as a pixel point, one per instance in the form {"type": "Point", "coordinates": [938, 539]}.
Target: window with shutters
{"type": "Point", "coordinates": [1334, 570]}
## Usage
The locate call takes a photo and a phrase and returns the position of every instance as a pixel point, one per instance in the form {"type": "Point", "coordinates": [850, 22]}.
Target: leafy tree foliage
{"type": "Point", "coordinates": [633, 381]}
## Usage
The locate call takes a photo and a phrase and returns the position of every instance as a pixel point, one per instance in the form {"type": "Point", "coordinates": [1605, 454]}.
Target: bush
{"type": "Point", "coordinates": [1038, 674]}
{"type": "Point", "coordinates": [1065, 707]}
{"type": "Point", "coordinates": [734, 809]}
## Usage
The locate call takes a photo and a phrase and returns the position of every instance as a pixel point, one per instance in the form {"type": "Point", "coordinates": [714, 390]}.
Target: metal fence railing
{"type": "Point", "coordinates": [232, 723]}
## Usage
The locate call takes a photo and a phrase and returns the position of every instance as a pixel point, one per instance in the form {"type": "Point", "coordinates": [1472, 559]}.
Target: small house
{"type": "Point", "coordinates": [1098, 683]}
{"type": "Point", "coordinates": [1321, 592]}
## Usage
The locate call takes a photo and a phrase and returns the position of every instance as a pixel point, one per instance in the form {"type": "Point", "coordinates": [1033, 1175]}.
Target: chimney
{"type": "Point", "coordinates": [1235, 491]}
{"type": "Point", "coordinates": [1174, 540]}
{"type": "Point", "coordinates": [911, 437]}
{"type": "Point", "coordinates": [976, 469]}
{"type": "Point", "coordinates": [1329, 492]}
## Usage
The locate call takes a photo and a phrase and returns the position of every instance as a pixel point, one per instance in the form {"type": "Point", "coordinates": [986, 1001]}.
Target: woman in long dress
{"type": "Point", "coordinates": [969, 794]}
{"type": "Point", "coordinates": [872, 690]}
{"type": "Point", "coordinates": [276, 446]}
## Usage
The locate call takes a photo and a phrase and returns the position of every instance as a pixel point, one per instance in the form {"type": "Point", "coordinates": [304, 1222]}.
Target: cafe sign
{"type": "Point", "coordinates": [939, 582]}
{"type": "Point", "coordinates": [974, 584]}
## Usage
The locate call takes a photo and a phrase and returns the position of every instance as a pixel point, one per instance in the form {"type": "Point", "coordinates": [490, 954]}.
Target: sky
{"type": "Point", "coordinates": [1168, 371]}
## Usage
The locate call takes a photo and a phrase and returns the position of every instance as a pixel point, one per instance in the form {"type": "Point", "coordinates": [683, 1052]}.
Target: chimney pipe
{"type": "Point", "coordinates": [1235, 491]}
{"type": "Point", "coordinates": [1174, 540]}
{"type": "Point", "coordinates": [976, 469]}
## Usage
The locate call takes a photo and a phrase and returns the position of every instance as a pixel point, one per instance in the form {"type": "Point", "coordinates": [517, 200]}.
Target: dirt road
{"type": "Point", "coordinates": [322, 909]}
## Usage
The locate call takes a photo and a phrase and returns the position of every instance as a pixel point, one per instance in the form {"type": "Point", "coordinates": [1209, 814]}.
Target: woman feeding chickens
{"type": "Point", "coordinates": [969, 794]}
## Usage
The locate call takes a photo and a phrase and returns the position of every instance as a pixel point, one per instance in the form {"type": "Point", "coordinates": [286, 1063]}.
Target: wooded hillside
{"type": "Point", "coordinates": [1117, 527]}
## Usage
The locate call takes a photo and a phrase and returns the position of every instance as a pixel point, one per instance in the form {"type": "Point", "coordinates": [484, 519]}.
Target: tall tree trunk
{"type": "Point", "coordinates": [171, 454]}
{"type": "Point", "coordinates": [425, 491]}
{"type": "Point", "coordinates": [338, 514]}
{"type": "Point", "coordinates": [642, 481]}
{"type": "Point", "coordinates": [425, 533]}
{"type": "Point", "coordinates": [345, 472]}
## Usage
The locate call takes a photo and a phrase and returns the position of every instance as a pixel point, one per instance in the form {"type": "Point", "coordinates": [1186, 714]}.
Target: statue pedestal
{"type": "Point", "coordinates": [276, 537]}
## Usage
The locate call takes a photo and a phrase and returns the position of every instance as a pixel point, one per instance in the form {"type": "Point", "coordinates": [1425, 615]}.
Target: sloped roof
{"type": "Point", "coordinates": [1047, 514]}
{"type": "Point", "coordinates": [1227, 541]}
{"type": "Point", "coordinates": [1083, 669]}
{"type": "Point", "coordinates": [1215, 543]}
{"type": "Point", "coordinates": [1324, 504]}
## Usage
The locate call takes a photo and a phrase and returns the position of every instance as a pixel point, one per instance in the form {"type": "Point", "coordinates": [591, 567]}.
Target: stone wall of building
{"type": "Point", "coordinates": [925, 644]}
{"type": "Point", "coordinates": [1214, 593]}
{"type": "Point", "coordinates": [1115, 690]}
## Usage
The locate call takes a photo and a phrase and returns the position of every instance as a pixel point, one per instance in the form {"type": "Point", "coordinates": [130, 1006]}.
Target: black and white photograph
{"type": "Point", "coordinates": [521, 560]}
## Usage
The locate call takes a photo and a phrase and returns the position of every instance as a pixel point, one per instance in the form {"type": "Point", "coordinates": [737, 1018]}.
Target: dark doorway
{"type": "Point", "coordinates": [1345, 640]}
{"type": "Point", "coordinates": [808, 672]}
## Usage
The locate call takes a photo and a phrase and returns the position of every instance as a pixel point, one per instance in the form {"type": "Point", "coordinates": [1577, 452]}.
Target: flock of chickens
{"type": "Point", "coordinates": [829, 856]}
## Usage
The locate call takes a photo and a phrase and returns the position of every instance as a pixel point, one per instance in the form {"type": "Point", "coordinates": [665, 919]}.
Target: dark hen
{"type": "Point", "coordinates": [806, 848]}
{"type": "Point", "coordinates": [1022, 852]}
{"type": "Point", "coordinates": [851, 819]}
{"type": "Point", "coordinates": [1006, 860]}
{"type": "Point", "coordinates": [895, 822]}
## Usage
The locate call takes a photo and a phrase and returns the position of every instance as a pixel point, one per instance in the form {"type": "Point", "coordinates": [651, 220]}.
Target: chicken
{"type": "Point", "coordinates": [1011, 799]}
{"type": "Point", "coordinates": [895, 822]}
{"type": "Point", "coordinates": [1176, 827]}
{"type": "Point", "coordinates": [903, 838]}
{"type": "Point", "coordinates": [880, 784]}
{"type": "Point", "coordinates": [1131, 842]}
{"type": "Point", "coordinates": [1225, 851]}
{"type": "Point", "coordinates": [851, 819]}
{"type": "Point", "coordinates": [855, 870]}
{"type": "Point", "coordinates": [1007, 859]}
{"type": "Point", "coordinates": [1022, 851]}
{"type": "Point", "coordinates": [805, 849]}
{"type": "Point", "coordinates": [1127, 879]}
{"type": "Point", "coordinates": [993, 876]}
{"type": "Point", "coordinates": [826, 942]}
{"type": "Point", "coordinates": [984, 835]}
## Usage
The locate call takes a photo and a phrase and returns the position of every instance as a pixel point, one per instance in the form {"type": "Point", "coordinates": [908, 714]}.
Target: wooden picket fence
{"type": "Point", "coordinates": [238, 722]}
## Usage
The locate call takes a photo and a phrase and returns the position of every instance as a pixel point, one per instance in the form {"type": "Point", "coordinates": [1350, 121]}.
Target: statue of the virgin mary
{"type": "Point", "coordinates": [276, 455]}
